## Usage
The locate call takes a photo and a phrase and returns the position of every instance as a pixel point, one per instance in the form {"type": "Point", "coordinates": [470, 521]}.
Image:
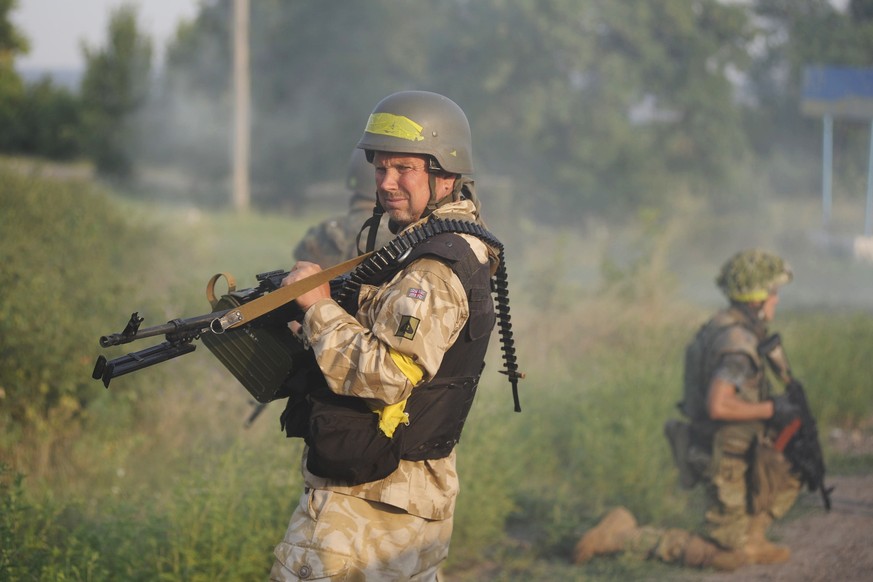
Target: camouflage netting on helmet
{"type": "Point", "coordinates": [752, 275]}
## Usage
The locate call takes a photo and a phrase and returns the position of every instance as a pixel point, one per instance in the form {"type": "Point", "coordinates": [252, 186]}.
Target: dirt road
{"type": "Point", "coordinates": [835, 546]}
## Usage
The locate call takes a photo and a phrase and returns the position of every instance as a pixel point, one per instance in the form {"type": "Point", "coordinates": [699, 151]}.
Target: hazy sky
{"type": "Point", "coordinates": [56, 28]}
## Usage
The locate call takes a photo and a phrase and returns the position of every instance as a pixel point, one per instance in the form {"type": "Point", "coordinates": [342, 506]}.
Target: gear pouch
{"type": "Point", "coordinates": [345, 442]}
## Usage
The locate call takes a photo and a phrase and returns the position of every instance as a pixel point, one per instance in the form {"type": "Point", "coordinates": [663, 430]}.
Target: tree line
{"type": "Point", "coordinates": [586, 104]}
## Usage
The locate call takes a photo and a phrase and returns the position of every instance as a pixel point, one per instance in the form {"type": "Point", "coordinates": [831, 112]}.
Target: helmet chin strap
{"type": "Point", "coordinates": [433, 168]}
{"type": "Point", "coordinates": [373, 224]}
{"type": "Point", "coordinates": [462, 189]}
{"type": "Point", "coordinates": [432, 203]}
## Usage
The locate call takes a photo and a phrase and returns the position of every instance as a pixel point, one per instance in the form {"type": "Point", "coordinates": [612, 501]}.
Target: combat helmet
{"type": "Point", "coordinates": [359, 176]}
{"type": "Point", "coordinates": [752, 275]}
{"type": "Point", "coordinates": [421, 122]}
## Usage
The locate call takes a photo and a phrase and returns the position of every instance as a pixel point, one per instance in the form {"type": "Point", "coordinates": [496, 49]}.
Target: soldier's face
{"type": "Point", "coordinates": [768, 310]}
{"type": "Point", "coordinates": [402, 185]}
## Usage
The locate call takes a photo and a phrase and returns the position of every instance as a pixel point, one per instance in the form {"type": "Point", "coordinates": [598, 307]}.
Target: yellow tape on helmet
{"type": "Point", "coordinates": [394, 126]}
{"type": "Point", "coordinates": [751, 296]}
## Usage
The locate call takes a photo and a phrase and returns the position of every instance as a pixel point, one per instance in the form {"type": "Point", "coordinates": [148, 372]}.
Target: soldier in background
{"type": "Point", "coordinates": [728, 444]}
{"type": "Point", "coordinates": [337, 239]}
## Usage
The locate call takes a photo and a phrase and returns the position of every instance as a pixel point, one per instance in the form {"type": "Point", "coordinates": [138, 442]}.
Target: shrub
{"type": "Point", "coordinates": [63, 252]}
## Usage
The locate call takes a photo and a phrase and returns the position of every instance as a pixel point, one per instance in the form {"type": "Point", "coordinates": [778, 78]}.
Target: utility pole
{"type": "Point", "coordinates": [241, 90]}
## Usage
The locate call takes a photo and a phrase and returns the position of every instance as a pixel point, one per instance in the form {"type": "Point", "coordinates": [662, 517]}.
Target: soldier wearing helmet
{"type": "Point", "coordinates": [433, 129]}
{"type": "Point", "coordinates": [400, 371]}
{"type": "Point", "coordinates": [340, 238]}
{"type": "Point", "coordinates": [727, 444]}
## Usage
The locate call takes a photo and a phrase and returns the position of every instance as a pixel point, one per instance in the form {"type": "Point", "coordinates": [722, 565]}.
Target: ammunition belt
{"type": "Point", "coordinates": [395, 252]}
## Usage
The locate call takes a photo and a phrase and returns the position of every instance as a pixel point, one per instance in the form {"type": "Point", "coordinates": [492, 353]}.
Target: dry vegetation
{"type": "Point", "coordinates": [158, 478]}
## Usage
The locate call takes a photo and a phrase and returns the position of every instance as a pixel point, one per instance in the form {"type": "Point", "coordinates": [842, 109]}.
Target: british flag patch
{"type": "Point", "coordinates": [419, 294]}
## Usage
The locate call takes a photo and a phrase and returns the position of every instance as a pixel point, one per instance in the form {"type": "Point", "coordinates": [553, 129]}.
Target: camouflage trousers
{"type": "Point", "coordinates": [737, 491]}
{"type": "Point", "coordinates": [333, 536]}
{"type": "Point", "coordinates": [741, 488]}
{"type": "Point", "coordinates": [666, 545]}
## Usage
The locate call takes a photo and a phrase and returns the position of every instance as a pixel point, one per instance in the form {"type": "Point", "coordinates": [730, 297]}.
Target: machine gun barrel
{"type": "Point", "coordinates": [132, 332]}
{"type": "Point", "coordinates": [179, 335]}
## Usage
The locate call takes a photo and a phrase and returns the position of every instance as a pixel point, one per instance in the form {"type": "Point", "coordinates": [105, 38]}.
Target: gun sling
{"type": "Point", "coordinates": [255, 308]}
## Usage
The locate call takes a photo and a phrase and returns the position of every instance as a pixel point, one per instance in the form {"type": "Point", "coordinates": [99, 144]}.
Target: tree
{"type": "Point", "coordinates": [114, 88]}
{"type": "Point", "coordinates": [317, 69]}
{"type": "Point", "coordinates": [553, 84]}
{"type": "Point", "coordinates": [51, 118]}
{"type": "Point", "coordinates": [12, 43]}
{"type": "Point", "coordinates": [37, 118]}
{"type": "Point", "coordinates": [796, 34]}
{"type": "Point", "coordinates": [861, 13]}
{"type": "Point", "coordinates": [557, 82]}
{"type": "Point", "coordinates": [187, 117]}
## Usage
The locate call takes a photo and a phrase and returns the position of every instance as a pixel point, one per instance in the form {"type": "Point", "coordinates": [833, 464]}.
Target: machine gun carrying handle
{"type": "Point", "coordinates": [210, 287]}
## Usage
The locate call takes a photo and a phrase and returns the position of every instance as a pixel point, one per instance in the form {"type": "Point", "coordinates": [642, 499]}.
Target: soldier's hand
{"type": "Point", "coordinates": [301, 270]}
{"type": "Point", "coordinates": [784, 411]}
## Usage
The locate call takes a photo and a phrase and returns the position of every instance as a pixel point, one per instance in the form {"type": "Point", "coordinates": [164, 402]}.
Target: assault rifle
{"type": "Point", "coordinates": [798, 440]}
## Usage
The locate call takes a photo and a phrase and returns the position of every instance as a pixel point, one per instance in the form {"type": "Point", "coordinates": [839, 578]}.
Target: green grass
{"type": "Point", "coordinates": [156, 478]}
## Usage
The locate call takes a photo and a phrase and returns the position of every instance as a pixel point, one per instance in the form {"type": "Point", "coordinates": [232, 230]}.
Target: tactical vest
{"type": "Point", "coordinates": [342, 433]}
{"type": "Point", "coordinates": [730, 332]}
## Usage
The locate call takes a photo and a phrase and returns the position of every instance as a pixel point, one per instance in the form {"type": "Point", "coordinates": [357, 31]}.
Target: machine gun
{"type": "Point", "coordinates": [798, 440]}
{"type": "Point", "coordinates": [255, 345]}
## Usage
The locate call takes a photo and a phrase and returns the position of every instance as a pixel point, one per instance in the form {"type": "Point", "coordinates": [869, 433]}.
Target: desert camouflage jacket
{"type": "Point", "coordinates": [354, 354]}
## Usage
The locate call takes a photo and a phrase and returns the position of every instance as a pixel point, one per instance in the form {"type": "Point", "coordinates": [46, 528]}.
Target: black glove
{"type": "Point", "coordinates": [784, 411]}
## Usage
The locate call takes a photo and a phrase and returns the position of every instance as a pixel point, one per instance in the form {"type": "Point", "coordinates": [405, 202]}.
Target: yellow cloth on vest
{"type": "Point", "coordinates": [392, 415]}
